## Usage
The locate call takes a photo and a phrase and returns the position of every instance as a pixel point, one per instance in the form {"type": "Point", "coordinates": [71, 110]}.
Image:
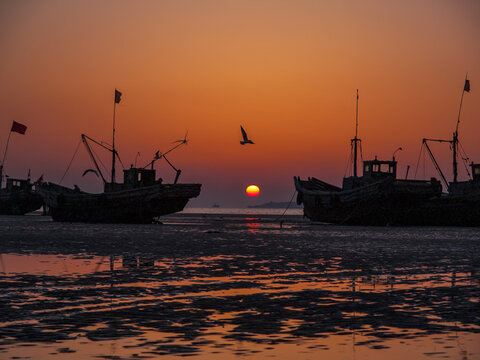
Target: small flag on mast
{"type": "Point", "coordinates": [467, 85]}
{"type": "Point", "coordinates": [118, 96]}
{"type": "Point", "coordinates": [18, 128]}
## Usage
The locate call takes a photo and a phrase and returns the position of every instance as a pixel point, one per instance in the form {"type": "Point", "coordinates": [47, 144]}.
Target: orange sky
{"type": "Point", "coordinates": [286, 70]}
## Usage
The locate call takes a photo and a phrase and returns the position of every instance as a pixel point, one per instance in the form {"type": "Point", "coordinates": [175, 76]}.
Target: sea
{"type": "Point", "coordinates": [237, 283]}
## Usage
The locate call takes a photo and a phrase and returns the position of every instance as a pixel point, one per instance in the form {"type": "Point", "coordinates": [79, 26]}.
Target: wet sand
{"type": "Point", "coordinates": [224, 286]}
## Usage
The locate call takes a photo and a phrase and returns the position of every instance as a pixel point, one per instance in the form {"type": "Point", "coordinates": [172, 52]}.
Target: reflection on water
{"type": "Point", "coordinates": [237, 286]}
{"type": "Point", "coordinates": [252, 224]}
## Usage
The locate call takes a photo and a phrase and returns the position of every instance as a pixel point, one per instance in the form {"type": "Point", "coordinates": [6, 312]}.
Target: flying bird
{"type": "Point", "coordinates": [246, 140]}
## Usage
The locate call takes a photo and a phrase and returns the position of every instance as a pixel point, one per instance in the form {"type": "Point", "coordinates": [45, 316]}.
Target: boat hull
{"type": "Point", "coordinates": [386, 202]}
{"type": "Point", "coordinates": [450, 210]}
{"type": "Point", "coordinates": [140, 205]}
{"type": "Point", "coordinates": [19, 202]}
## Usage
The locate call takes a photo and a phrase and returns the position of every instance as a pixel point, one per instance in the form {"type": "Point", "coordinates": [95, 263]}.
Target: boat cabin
{"type": "Point", "coordinates": [134, 178]}
{"type": "Point", "coordinates": [378, 169]}
{"type": "Point", "coordinates": [139, 177]}
{"type": "Point", "coordinates": [373, 170]}
{"type": "Point", "coordinates": [18, 185]}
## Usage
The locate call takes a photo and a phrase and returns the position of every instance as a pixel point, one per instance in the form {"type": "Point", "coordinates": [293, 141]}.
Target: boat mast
{"type": "Point", "coordinates": [3, 160]}
{"type": "Point", "coordinates": [113, 143]}
{"type": "Point", "coordinates": [355, 141]}
{"type": "Point", "coordinates": [466, 88]}
{"type": "Point", "coordinates": [16, 127]}
{"type": "Point", "coordinates": [118, 95]}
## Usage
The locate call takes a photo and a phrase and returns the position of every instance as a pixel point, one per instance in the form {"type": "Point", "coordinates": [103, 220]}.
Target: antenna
{"type": "Point", "coordinates": [398, 149]}
{"type": "Point", "coordinates": [117, 99]}
{"type": "Point", "coordinates": [356, 117]}
{"type": "Point", "coordinates": [136, 157]}
{"type": "Point", "coordinates": [355, 141]}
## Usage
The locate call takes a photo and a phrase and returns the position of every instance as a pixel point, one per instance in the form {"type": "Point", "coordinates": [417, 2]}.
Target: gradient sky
{"type": "Point", "coordinates": [285, 70]}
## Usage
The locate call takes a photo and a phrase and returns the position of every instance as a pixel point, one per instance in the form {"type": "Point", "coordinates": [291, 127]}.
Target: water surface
{"type": "Point", "coordinates": [229, 285]}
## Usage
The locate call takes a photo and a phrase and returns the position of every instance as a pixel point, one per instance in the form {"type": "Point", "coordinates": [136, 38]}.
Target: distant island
{"type": "Point", "coordinates": [275, 205]}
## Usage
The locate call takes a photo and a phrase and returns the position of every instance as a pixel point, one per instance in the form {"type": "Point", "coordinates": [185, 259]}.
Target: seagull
{"type": "Point", "coordinates": [246, 140]}
{"type": "Point", "coordinates": [157, 155]}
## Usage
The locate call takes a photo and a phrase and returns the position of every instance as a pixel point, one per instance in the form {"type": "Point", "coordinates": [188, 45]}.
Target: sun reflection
{"type": "Point", "coordinates": [252, 225]}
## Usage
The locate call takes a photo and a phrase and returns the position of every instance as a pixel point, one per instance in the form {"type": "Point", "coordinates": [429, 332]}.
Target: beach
{"type": "Point", "coordinates": [252, 283]}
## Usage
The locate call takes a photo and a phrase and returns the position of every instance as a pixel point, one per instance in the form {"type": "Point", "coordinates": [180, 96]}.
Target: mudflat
{"type": "Point", "coordinates": [222, 286]}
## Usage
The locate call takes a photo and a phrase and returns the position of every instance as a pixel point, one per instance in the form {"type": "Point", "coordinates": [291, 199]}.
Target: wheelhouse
{"type": "Point", "coordinates": [379, 169]}
{"type": "Point", "coordinates": [18, 184]}
{"type": "Point", "coordinates": [134, 178]}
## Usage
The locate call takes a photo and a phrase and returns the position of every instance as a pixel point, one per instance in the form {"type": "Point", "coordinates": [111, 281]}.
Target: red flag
{"type": "Point", "coordinates": [118, 96]}
{"type": "Point", "coordinates": [19, 128]}
{"type": "Point", "coordinates": [467, 85]}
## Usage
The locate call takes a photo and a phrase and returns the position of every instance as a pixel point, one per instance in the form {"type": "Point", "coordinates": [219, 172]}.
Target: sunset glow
{"type": "Point", "coordinates": [240, 178]}
{"type": "Point", "coordinates": [287, 71]}
{"type": "Point", "coordinates": [252, 190]}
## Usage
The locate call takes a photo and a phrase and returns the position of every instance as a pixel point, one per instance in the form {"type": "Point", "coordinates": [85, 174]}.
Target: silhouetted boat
{"type": "Point", "coordinates": [375, 198]}
{"type": "Point", "coordinates": [461, 205]}
{"type": "Point", "coordinates": [139, 199]}
{"type": "Point", "coordinates": [19, 197]}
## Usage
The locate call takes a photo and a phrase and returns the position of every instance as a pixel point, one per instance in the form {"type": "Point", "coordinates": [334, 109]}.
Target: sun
{"type": "Point", "coordinates": [252, 190]}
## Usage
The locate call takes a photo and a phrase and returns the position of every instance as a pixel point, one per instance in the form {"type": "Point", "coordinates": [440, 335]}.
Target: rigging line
{"type": "Point", "coordinates": [347, 168]}
{"type": "Point", "coordinates": [418, 160]}
{"type": "Point", "coordinates": [465, 158]}
{"type": "Point", "coordinates": [70, 163]}
{"type": "Point", "coordinates": [284, 211]}
{"type": "Point", "coordinates": [118, 157]}
{"type": "Point", "coordinates": [463, 154]}
{"type": "Point", "coordinates": [100, 160]}
{"type": "Point", "coordinates": [466, 168]}
{"type": "Point", "coordinates": [350, 165]}
{"type": "Point", "coordinates": [424, 162]}
{"type": "Point", "coordinates": [361, 151]}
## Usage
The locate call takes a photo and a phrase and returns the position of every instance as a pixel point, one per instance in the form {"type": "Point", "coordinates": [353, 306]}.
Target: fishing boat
{"type": "Point", "coordinates": [19, 196]}
{"type": "Point", "coordinates": [460, 206]}
{"type": "Point", "coordinates": [377, 197]}
{"type": "Point", "coordinates": [139, 199]}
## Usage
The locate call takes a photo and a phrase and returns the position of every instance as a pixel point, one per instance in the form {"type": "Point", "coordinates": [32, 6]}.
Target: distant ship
{"type": "Point", "coordinates": [139, 199]}
{"type": "Point", "coordinates": [215, 206]}
{"type": "Point", "coordinates": [377, 197]}
{"type": "Point", "coordinates": [18, 197]}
